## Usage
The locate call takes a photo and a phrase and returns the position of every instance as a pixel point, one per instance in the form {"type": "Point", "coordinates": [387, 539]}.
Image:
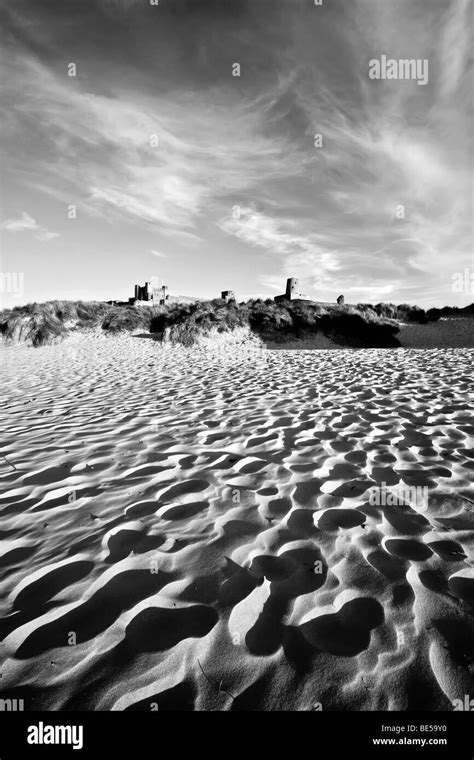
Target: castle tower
{"type": "Point", "coordinates": [291, 288]}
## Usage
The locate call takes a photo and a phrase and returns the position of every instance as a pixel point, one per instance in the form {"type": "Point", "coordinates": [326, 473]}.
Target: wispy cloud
{"type": "Point", "coordinates": [182, 236]}
{"type": "Point", "coordinates": [26, 223]}
{"type": "Point", "coordinates": [158, 254]}
{"type": "Point", "coordinates": [150, 160]}
{"type": "Point", "coordinates": [304, 253]}
{"type": "Point", "coordinates": [455, 45]}
{"type": "Point", "coordinates": [171, 142]}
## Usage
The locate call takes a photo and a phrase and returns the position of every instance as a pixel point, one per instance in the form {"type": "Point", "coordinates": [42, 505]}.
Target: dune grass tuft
{"type": "Point", "coordinates": [363, 325]}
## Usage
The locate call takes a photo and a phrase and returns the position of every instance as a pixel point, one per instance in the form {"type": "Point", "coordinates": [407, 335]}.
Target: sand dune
{"type": "Point", "coordinates": [183, 529]}
{"type": "Point", "coordinates": [448, 332]}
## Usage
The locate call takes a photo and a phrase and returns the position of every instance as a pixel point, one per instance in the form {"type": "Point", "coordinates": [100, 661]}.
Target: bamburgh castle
{"type": "Point", "coordinates": [152, 292]}
{"type": "Point", "coordinates": [157, 294]}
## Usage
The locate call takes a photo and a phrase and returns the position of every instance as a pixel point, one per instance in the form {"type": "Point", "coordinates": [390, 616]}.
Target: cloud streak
{"type": "Point", "coordinates": [171, 143]}
{"type": "Point", "coordinates": [26, 223]}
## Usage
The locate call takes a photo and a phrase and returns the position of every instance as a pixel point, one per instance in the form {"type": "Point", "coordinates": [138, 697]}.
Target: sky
{"type": "Point", "coordinates": [156, 160]}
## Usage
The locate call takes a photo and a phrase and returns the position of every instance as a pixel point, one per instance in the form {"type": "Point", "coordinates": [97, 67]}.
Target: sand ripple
{"type": "Point", "coordinates": [191, 531]}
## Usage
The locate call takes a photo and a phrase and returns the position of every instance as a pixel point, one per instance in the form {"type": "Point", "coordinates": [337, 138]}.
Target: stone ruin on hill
{"type": "Point", "coordinates": [291, 291]}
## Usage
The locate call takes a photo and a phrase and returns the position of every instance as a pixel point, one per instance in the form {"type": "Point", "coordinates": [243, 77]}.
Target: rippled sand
{"type": "Point", "coordinates": [180, 530]}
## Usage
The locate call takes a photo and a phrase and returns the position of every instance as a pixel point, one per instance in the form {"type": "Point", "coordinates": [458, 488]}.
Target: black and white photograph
{"type": "Point", "coordinates": [237, 336]}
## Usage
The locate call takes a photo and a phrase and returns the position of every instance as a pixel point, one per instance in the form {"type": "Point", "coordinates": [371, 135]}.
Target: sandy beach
{"type": "Point", "coordinates": [197, 531]}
